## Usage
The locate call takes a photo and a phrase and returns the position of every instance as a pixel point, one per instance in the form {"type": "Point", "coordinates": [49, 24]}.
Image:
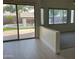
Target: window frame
{"type": "Point", "coordinates": [42, 16]}
{"type": "Point", "coordinates": [73, 16]}
{"type": "Point", "coordinates": [53, 14]}
{"type": "Point", "coordinates": [18, 38]}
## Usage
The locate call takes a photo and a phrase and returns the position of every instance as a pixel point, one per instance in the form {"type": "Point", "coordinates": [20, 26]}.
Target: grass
{"type": "Point", "coordinates": [8, 29]}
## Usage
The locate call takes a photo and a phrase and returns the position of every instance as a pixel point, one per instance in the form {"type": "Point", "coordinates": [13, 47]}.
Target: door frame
{"type": "Point", "coordinates": [18, 35]}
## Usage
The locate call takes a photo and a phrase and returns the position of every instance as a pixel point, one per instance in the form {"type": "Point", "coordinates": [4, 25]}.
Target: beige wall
{"type": "Point", "coordinates": [51, 38]}
{"type": "Point", "coordinates": [32, 2]}
{"type": "Point", "coordinates": [58, 4]}
{"type": "Point", "coordinates": [62, 27]}
{"type": "Point", "coordinates": [46, 3]}
{"type": "Point", "coordinates": [51, 34]}
{"type": "Point", "coordinates": [37, 20]}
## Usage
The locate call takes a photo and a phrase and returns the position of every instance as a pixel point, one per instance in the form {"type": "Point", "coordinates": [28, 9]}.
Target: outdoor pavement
{"type": "Point", "coordinates": [24, 33]}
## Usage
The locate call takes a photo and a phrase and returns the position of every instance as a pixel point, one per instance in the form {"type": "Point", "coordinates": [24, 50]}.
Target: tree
{"type": "Point", "coordinates": [53, 12]}
{"type": "Point", "coordinates": [56, 12]}
{"type": "Point", "coordinates": [24, 8]}
{"type": "Point", "coordinates": [10, 8]}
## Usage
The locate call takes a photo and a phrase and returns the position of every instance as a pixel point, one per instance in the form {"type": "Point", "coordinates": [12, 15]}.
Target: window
{"type": "Point", "coordinates": [18, 22]}
{"type": "Point", "coordinates": [72, 16]}
{"type": "Point", "coordinates": [64, 16]}
{"type": "Point", "coordinates": [9, 22]}
{"type": "Point", "coordinates": [57, 16]}
{"type": "Point", "coordinates": [26, 21]}
{"type": "Point", "coordinates": [42, 16]}
{"type": "Point", "coordinates": [51, 16]}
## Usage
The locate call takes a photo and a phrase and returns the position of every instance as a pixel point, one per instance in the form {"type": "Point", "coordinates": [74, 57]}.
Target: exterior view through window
{"type": "Point", "coordinates": [42, 16]}
{"type": "Point", "coordinates": [26, 21]}
{"type": "Point", "coordinates": [23, 26]}
{"type": "Point", "coordinates": [57, 16]}
{"type": "Point", "coordinates": [72, 16]}
{"type": "Point", "coordinates": [9, 22]}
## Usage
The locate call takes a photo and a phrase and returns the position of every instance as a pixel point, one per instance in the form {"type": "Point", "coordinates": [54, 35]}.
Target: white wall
{"type": "Point", "coordinates": [51, 38]}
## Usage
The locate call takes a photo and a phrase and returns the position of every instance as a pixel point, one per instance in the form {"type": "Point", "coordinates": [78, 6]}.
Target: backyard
{"type": "Point", "coordinates": [25, 25]}
{"type": "Point", "coordinates": [10, 32]}
{"type": "Point", "coordinates": [21, 27]}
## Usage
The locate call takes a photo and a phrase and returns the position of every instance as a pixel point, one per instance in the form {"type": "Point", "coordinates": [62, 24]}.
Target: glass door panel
{"type": "Point", "coordinates": [26, 21]}
{"type": "Point", "coordinates": [9, 22]}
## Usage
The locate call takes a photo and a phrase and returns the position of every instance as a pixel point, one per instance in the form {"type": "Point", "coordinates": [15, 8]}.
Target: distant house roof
{"type": "Point", "coordinates": [27, 14]}
{"type": "Point", "coordinates": [9, 13]}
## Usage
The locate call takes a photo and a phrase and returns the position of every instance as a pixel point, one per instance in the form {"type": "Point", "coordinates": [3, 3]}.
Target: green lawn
{"type": "Point", "coordinates": [7, 29]}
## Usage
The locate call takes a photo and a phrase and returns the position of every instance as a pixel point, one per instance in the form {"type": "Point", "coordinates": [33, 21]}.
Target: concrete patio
{"type": "Point", "coordinates": [24, 33]}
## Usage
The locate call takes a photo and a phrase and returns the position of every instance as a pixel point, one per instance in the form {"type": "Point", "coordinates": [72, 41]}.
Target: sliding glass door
{"type": "Point", "coordinates": [18, 22]}
{"type": "Point", "coordinates": [9, 22]}
{"type": "Point", "coordinates": [26, 21]}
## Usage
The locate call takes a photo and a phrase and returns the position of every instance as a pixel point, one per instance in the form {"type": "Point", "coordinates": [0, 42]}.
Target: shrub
{"type": "Point", "coordinates": [9, 17]}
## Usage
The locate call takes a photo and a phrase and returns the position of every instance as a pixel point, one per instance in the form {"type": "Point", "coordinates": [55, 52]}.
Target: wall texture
{"type": "Point", "coordinates": [69, 4]}
{"type": "Point", "coordinates": [58, 37]}
{"type": "Point", "coordinates": [67, 40]}
{"type": "Point", "coordinates": [51, 38]}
